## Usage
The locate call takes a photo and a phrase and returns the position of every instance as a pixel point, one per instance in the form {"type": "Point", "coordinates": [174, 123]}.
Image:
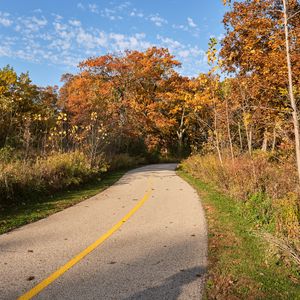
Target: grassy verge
{"type": "Point", "coordinates": [241, 264]}
{"type": "Point", "coordinates": [42, 207]}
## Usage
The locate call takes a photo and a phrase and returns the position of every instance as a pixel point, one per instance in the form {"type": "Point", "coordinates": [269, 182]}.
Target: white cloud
{"type": "Point", "coordinates": [5, 51]}
{"type": "Point", "coordinates": [184, 53]}
{"type": "Point", "coordinates": [191, 22]}
{"type": "Point", "coordinates": [170, 43]}
{"type": "Point", "coordinates": [124, 5]}
{"type": "Point", "coordinates": [80, 5]}
{"type": "Point", "coordinates": [57, 17]}
{"type": "Point", "coordinates": [5, 22]}
{"type": "Point", "coordinates": [93, 8]}
{"type": "Point", "coordinates": [62, 41]}
{"type": "Point", "coordinates": [117, 12]}
{"type": "Point", "coordinates": [136, 13]}
{"type": "Point", "coordinates": [6, 46]}
{"type": "Point", "coordinates": [76, 23]}
{"type": "Point", "coordinates": [59, 27]}
{"type": "Point", "coordinates": [110, 14]}
{"type": "Point", "coordinates": [195, 51]}
{"type": "Point", "coordinates": [220, 37]}
{"type": "Point", "coordinates": [4, 19]}
{"type": "Point", "coordinates": [140, 36]}
{"type": "Point", "coordinates": [121, 42]}
{"type": "Point", "coordinates": [89, 40]}
{"type": "Point", "coordinates": [121, 11]}
{"type": "Point", "coordinates": [60, 44]}
{"type": "Point", "coordinates": [39, 22]}
{"type": "Point", "coordinates": [191, 27]}
{"type": "Point", "coordinates": [85, 39]}
{"type": "Point", "coordinates": [31, 24]}
{"type": "Point", "coordinates": [157, 20]}
{"type": "Point", "coordinates": [182, 27]}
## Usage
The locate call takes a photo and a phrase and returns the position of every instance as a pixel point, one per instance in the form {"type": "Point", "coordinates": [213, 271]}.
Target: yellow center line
{"type": "Point", "coordinates": [59, 272]}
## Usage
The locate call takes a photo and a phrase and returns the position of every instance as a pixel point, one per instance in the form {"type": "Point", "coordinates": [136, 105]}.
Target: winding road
{"type": "Point", "coordinates": [142, 238]}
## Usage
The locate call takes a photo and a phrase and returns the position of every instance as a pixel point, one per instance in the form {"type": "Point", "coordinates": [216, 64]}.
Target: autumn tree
{"type": "Point", "coordinates": [21, 107]}
{"type": "Point", "coordinates": [254, 50]}
{"type": "Point", "coordinates": [128, 92]}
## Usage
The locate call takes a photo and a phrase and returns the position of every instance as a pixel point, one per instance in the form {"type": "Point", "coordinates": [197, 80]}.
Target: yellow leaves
{"type": "Point", "coordinates": [8, 76]}
{"type": "Point", "coordinates": [220, 62]}
{"type": "Point", "coordinates": [212, 51]}
{"type": "Point", "coordinates": [94, 116]}
{"type": "Point", "coordinates": [74, 128]}
{"type": "Point", "coordinates": [231, 56]}
{"type": "Point", "coordinates": [247, 118]}
{"type": "Point", "coordinates": [57, 133]}
{"type": "Point", "coordinates": [283, 91]}
{"type": "Point", "coordinates": [175, 109]}
{"type": "Point", "coordinates": [62, 117]}
{"type": "Point", "coordinates": [202, 79]}
{"type": "Point", "coordinates": [37, 117]}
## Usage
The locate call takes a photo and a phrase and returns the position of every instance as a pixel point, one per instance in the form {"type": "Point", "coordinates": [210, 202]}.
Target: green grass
{"type": "Point", "coordinates": [40, 208]}
{"type": "Point", "coordinates": [241, 264]}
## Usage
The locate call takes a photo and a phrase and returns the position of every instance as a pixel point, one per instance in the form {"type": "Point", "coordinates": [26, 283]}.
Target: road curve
{"type": "Point", "coordinates": [158, 253]}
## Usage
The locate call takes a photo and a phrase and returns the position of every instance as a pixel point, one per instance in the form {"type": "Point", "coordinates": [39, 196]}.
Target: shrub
{"type": "Point", "coordinates": [6, 154]}
{"type": "Point", "coordinates": [287, 216]}
{"type": "Point", "coordinates": [63, 170]}
{"type": "Point", "coordinates": [20, 181]}
{"type": "Point", "coordinates": [266, 189]}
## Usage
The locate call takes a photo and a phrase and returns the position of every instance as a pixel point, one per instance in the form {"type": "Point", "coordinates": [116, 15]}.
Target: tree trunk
{"type": "Point", "coordinates": [248, 132]}
{"type": "Point", "coordinates": [240, 136]}
{"type": "Point", "coordinates": [291, 93]}
{"type": "Point", "coordinates": [274, 138]}
{"type": "Point", "coordinates": [217, 136]}
{"type": "Point", "coordinates": [250, 141]}
{"type": "Point", "coordinates": [180, 133]}
{"type": "Point", "coordinates": [264, 146]}
{"type": "Point", "coordinates": [248, 136]}
{"type": "Point", "coordinates": [228, 131]}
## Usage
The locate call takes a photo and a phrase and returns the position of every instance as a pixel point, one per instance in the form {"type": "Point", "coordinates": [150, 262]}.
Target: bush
{"type": "Point", "coordinates": [245, 176]}
{"type": "Point", "coordinates": [265, 189]}
{"type": "Point", "coordinates": [20, 181]}
{"type": "Point", "coordinates": [6, 154]}
{"type": "Point", "coordinates": [63, 170]}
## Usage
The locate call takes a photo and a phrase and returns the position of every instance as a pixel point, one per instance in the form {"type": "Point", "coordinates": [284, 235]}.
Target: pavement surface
{"type": "Point", "coordinates": [158, 253]}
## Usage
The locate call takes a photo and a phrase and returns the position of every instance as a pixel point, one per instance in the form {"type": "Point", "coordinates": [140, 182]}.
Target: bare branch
{"type": "Point", "coordinates": [292, 16]}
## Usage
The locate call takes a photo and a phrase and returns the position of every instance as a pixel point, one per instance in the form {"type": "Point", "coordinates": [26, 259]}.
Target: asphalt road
{"type": "Point", "coordinates": [158, 253]}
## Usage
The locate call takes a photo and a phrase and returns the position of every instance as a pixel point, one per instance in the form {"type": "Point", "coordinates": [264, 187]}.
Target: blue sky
{"type": "Point", "coordinates": [49, 38]}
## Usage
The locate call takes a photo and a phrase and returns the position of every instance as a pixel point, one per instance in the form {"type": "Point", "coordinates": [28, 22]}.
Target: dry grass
{"type": "Point", "coordinates": [20, 180]}
{"type": "Point", "coordinates": [265, 189]}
